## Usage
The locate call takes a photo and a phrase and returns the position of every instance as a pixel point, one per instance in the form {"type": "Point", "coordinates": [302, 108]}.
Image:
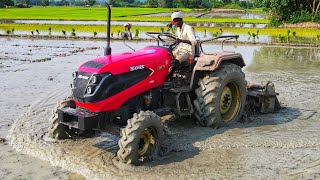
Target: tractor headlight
{"type": "Point", "coordinates": [89, 90]}
{"type": "Point", "coordinates": [94, 79]}
{"type": "Point", "coordinates": [74, 75]}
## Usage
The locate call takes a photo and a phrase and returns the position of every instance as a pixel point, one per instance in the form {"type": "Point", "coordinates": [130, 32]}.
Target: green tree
{"type": "Point", "coordinates": [153, 3]}
{"type": "Point", "coordinates": [166, 3]}
{"type": "Point", "coordinates": [4, 3]}
{"type": "Point", "coordinates": [292, 10]}
{"type": "Point", "coordinates": [90, 2]}
{"type": "Point", "coordinates": [45, 3]}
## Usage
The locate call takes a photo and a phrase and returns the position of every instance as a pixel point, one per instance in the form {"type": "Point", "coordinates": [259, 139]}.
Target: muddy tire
{"type": "Point", "coordinates": [140, 138]}
{"type": "Point", "coordinates": [60, 131]}
{"type": "Point", "coordinates": [221, 96]}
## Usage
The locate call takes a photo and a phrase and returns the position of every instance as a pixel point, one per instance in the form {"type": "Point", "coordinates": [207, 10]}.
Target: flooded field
{"type": "Point", "coordinates": [283, 145]}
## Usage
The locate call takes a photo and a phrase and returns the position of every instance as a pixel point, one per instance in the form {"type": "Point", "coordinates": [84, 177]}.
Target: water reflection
{"type": "Point", "coordinates": [285, 58]}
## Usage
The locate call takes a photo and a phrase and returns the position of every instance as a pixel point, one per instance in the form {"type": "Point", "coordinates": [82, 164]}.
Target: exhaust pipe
{"type": "Point", "coordinates": [107, 50]}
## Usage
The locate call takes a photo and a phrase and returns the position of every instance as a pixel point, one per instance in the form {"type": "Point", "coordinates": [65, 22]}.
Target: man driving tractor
{"type": "Point", "coordinates": [186, 40]}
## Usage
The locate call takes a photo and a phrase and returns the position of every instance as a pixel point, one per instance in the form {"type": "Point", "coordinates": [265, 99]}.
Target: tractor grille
{"type": "Point", "coordinates": [80, 84]}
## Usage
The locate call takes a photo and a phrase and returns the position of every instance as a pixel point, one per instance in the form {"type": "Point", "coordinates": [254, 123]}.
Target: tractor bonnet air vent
{"type": "Point", "coordinates": [93, 64]}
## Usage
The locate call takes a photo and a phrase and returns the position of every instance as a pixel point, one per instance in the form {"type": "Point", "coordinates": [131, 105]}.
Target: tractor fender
{"type": "Point", "coordinates": [211, 62]}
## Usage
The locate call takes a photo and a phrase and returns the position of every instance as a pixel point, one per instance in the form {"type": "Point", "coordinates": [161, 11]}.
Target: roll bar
{"type": "Point", "coordinates": [226, 38]}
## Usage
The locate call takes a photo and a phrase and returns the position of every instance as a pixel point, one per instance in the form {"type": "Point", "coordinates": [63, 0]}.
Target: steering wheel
{"type": "Point", "coordinates": [168, 39]}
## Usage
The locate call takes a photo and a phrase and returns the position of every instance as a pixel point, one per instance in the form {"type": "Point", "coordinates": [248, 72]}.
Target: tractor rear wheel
{"type": "Point", "coordinates": [221, 96]}
{"type": "Point", "coordinates": [57, 130]}
{"type": "Point", "coordinates": [140, 138]}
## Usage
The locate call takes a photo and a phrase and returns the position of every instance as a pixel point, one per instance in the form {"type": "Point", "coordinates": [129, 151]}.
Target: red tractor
{"type": "Point", "coordinates": [132, 91]}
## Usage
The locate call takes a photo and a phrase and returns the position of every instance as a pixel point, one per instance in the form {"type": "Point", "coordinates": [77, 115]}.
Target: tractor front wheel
{"type": "Point", "coordinates": [140, 139]}
{"type": "Point", "coordinates": [221, 96]}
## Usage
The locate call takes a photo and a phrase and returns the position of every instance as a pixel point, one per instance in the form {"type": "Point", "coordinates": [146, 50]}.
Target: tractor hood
{"type": "Point", "coordinates": [115, 64]}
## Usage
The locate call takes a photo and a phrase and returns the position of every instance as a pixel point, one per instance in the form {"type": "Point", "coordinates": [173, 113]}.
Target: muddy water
{"type": "Point", "coordinates": [284, 145]}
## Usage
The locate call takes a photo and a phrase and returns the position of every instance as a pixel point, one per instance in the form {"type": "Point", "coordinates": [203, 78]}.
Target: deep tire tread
{"type": "Point", "coordinates": [206, 103]}
{"type": "Point", "coordinates": [128, 143]}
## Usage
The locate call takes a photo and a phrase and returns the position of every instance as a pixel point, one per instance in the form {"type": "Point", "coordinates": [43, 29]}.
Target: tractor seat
{"type": "Point", "coordinates": [196, 50]}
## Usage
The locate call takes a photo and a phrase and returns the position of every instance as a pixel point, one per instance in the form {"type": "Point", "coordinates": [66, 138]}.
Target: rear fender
{"type": "Point", "coordinates": [211, 62]}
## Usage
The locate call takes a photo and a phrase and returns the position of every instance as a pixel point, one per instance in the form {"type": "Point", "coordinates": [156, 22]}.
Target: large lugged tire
{"type": "Point", "coordinates": [56, 130]}
{"type": "Point", "coordinates": [140, 138]}
{"type": "Point", "coordinates": [221, 96]}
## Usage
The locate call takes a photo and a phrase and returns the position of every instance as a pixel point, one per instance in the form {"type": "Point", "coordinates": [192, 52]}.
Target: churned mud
{"type": "Point", "coordinates": [283, 145]}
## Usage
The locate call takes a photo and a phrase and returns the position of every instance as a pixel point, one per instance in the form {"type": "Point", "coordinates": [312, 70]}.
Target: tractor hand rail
{"type": "Point", "coordinates": [226, 38]}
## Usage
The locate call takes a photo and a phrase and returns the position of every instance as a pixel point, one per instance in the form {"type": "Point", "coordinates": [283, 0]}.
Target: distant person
{"type": "Point", "coordinates": [127, 33]}
{"type": "Point", "coordinates": [127, 27]}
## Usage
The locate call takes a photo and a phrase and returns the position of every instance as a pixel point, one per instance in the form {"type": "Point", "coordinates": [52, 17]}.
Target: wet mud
{"type": "Point", "coordinates": [282, 145]}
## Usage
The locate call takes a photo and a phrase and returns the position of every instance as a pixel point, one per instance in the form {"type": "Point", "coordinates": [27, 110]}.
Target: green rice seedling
{"type": "Point", "coordinates": [37, 31]}
{"type": "Point", "coordinates": [73, 30]}
{"type": "Point", "coordinates": [294, 34]}
{"type": "Point", "coordinates": [64, 32]}
{"type": "Point", "coordinates": [215, 34]}
{"type": "Point", "coordinates": [318, 37]}
{"type": "Point", "coordinates": [95, 34]}
{"type": "Point", "coordinates": [281, 38]}
{"type": "Point", "coordinates": [119, 33]}
{"type": "Point", "coordinates": [288, 32]}
{"type": "Point", "coordinates": [73, 34]}
{"type": "Point", "coordinates": [205, 33]}
{"type": "Point", "coordinates": [12, 30]}
{"type": "Point", "coordinates": [111, 34]}
{"type": "Point", "coordinates": [136, 35]}
{"type": "Point", "coordinates": [32, 33]}
{"type": "Point", "coordinates": [249, 33]}
{"type": "Point", "coordinates": [49, 30]}
{"type": "Point", "coordinates": [8, 32]}
{"type": "Point", "coordinates": [258, 32]}
{"type": "Point", "coordinates": [254, 35]}
{"type": "Point", "coordinates": [162, 29]}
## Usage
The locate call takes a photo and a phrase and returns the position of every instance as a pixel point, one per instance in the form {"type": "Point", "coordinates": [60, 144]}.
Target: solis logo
{"type": "Point", "coordinates": [134, 68]}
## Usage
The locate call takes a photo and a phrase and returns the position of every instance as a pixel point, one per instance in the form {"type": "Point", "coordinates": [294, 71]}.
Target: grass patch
{"type": "Point", "coordinates": [76, 13]}
{"type": "Point", "coordinates": [100, 13]}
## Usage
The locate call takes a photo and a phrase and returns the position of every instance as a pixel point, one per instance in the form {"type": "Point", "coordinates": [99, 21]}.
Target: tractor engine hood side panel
{"type": "Point", "coordinates": [123, 76]}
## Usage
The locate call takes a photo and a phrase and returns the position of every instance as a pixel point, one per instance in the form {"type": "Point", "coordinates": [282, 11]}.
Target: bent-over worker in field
{"type": "Point", "coordinates": [127, 33]}
{"type": "Point", "coordinates": [185, 38]}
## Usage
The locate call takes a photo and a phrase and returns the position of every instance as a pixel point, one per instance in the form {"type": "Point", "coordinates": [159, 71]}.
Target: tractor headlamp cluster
{"type": "Point", "coordinates": [93, 82]}
{"type": "Point", "coordinates": [86, 84]}
{"type": "Point", "coordinates": [89, 90]}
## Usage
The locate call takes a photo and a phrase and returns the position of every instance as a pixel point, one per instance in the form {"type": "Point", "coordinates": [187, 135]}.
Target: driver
{"type": "Point", "coordinates": [185, 38]}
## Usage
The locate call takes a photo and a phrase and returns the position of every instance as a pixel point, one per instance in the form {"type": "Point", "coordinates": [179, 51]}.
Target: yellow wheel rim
{"type": "Point", "coordinates": [230, 101]}
{"type": "Point", "coordinates": [146, 141]}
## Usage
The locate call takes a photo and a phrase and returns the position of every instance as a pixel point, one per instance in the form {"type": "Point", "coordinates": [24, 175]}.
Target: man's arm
{"type": "Point", "coordinates": [190, 34]}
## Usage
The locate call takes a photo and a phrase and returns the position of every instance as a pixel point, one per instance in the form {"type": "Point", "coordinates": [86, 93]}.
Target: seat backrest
{"type": "Point", "coordinates": [197, 49]}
